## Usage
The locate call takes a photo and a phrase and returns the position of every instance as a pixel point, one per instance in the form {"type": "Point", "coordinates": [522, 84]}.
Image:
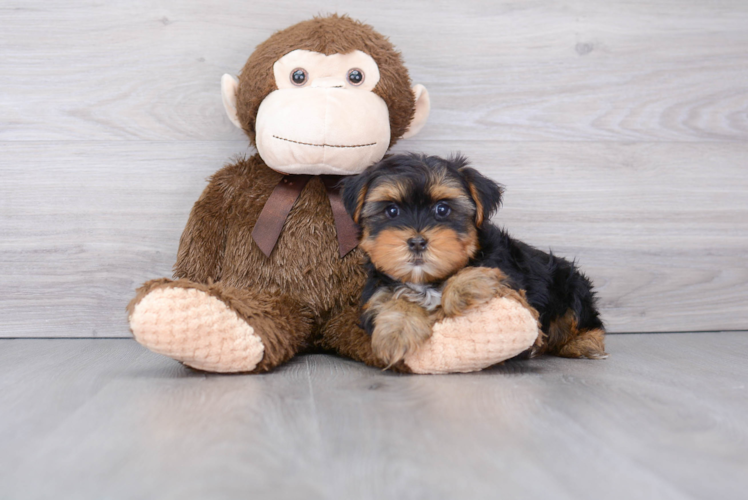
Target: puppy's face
{"type": "Point", "coordinates": [420, 215]}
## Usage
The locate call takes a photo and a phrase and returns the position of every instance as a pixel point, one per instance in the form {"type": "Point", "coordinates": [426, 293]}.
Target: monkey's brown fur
{"type": "Point", "coordinates": [327, 35]}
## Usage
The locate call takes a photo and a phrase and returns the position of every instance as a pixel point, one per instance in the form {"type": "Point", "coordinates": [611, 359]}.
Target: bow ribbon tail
{"type": "Point", "coordinates": [347, 230]}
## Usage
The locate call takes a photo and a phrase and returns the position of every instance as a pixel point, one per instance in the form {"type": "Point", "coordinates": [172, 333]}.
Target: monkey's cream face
{"type": "Point", "coordinates": [324, 117]}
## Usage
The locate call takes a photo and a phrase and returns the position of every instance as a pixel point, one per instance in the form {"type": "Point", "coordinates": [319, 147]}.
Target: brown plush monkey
{"type": "Point", "coordinates": [267, 266]}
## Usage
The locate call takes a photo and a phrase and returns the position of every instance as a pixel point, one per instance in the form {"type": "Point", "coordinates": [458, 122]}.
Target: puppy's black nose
{"type": "Point", "coordinates": [417, 244]}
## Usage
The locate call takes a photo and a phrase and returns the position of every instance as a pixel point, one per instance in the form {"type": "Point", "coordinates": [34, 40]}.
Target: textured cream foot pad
{"type": "Point", "coordinates": [196, 328]}
{"type": "Point", "coordinates": [492, 333]}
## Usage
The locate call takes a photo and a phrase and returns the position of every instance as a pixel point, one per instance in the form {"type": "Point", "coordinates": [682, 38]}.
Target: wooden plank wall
{"type": "Point", "coordinates": [618, 127]}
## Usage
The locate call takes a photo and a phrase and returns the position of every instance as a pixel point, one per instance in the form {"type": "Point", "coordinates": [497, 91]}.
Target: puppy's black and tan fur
{"type": "Point", "coordinates": [433, 253]}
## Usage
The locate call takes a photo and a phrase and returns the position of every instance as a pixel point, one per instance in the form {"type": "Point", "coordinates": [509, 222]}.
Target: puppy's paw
{"type": "Point", "coordinates": [470, 288]}
{"type": "Point", "coordinates": [588, 344]}
{"type": "Point", "coordinates": [400, 328]}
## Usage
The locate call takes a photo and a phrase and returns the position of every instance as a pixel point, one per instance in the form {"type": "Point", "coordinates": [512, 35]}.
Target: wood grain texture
{"type": "Point", "coordinates": [663, 70]}
{"type": "Point", "coordinates": [619, 129]}
{"type": "Point", "coordinates": [661, 228]}
{"type": "Point", "coordinates": [663, 417]}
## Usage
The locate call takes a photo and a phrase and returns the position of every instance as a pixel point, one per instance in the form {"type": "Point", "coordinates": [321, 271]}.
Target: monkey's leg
{"type": "Point", "coordinates": [487, 323]}
{"type": "Point", "coordinates": [217, 328]}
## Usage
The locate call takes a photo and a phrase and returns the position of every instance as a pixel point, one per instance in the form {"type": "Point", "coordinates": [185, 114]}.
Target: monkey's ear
{"type": "Point", "coordinates": [423, 107]}
{"type": "Point", "coordinates": [229, 86]}
{"type": "Point", "coordinates": [354, 189]}
{"type": "Point", "coordinates": [485, 193]}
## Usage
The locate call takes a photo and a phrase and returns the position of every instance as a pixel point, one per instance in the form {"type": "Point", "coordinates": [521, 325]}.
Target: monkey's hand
{"type": "Point", "coordinates": [400, 328]}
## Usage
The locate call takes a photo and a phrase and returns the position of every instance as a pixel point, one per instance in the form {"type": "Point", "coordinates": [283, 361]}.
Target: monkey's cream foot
{"type": "Point", "coordinates": [200, 330]}
{"type": "Point", "coordinates": [489, 334]}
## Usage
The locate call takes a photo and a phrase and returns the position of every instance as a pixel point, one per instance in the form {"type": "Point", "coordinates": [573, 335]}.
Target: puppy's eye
{"type": "Point", "coordinates": [392, 211]}
{"type": "Point", "coordinates": [355, 76]}
{"type": "Point", "coordinates": [298, 76]}
{"type": "Point", "coordinates": [442, 210]}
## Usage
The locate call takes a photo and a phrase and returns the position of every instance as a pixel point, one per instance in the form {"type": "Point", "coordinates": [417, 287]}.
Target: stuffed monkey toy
{"type": "Point", "coordinates": [267, 266]}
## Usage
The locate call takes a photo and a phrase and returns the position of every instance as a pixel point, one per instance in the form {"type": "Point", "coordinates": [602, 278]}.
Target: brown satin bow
{"type": "Point", "coordinates": [273, 216]}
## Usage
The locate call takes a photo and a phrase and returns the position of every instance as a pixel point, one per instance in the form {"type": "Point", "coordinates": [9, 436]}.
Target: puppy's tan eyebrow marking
{"type": "Point", "coordinates": [388, 191]}
{"type": "Point", "coordinates": [447, 191]}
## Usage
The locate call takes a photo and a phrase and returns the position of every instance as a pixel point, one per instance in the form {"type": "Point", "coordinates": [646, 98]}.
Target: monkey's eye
{"type": "Point", "coordinates": [442, 210]}
{"type": "Point", "coordinates": [298, 76]}
{"type": "Point", "coordinates": [392, 211]}
{"type": "Point", "coordinates": [355, 76]}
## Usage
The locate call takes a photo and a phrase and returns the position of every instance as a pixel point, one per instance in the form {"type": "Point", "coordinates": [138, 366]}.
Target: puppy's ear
{"type": "Point", "coordinates": [485, 193]}
{"type": "Point", "coordinates": [354, 189]}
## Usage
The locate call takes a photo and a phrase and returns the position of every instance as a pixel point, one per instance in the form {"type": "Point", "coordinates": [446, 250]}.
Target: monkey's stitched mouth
{"type": "Point", "coordinates": [324, 145]}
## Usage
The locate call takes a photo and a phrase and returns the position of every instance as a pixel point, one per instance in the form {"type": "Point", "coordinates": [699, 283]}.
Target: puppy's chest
{"type": "Point", "coordinates": [427, 296]}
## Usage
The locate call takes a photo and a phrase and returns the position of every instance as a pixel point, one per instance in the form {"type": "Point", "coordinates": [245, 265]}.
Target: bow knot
{"type": "Point", "coordinates": [273, 216]}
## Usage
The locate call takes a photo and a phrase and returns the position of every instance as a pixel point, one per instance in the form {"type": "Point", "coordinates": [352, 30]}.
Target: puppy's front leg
{"type": "Point", "coordinates": [472, 287]}
{"type": "Point", "coordinates": [400, 327]}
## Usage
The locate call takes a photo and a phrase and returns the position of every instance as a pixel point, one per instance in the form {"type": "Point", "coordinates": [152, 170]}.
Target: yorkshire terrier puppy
{"type": "Point", "coordinates": [432, 253]}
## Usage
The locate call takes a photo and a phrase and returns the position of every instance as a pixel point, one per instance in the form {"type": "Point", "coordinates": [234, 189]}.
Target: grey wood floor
{"type": "Point", "coordinates": [664, 417]}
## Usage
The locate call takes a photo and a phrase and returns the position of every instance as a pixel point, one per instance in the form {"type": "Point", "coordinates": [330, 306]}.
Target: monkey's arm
{"type": "Point", "coordinates": [203, 240]}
